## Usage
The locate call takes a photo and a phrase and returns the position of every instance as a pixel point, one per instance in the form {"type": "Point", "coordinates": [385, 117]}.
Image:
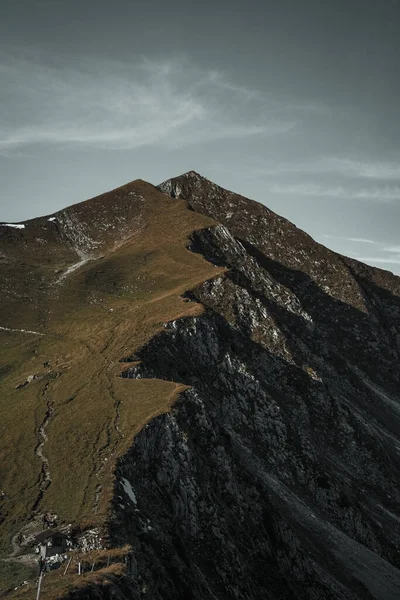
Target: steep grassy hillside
{"type": "Point", "coordinates": [65, 414]}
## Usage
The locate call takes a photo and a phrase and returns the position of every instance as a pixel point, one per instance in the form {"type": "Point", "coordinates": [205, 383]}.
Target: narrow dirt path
{"type": "Point", "coordinates": [21, 331]}
{"type": "Point", "coordinates": [45, 476]}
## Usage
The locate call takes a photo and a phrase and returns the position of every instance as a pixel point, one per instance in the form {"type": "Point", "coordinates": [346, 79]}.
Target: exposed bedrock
{"type": "Point", "coordinates": [276, 475]}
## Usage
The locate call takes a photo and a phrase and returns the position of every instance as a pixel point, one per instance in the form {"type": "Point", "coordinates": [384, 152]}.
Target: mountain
{"type": "Point", "coordinates": [201, 399]}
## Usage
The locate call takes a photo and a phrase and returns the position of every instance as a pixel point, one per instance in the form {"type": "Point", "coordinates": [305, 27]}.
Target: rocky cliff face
{"type": "Point", "coordinates": [276, 473]}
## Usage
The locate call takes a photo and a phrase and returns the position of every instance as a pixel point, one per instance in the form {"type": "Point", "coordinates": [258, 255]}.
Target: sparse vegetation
{"type": "Point", "coordinates": [13, 573]}
{"type": "Point", "coordinates": [57, 585]}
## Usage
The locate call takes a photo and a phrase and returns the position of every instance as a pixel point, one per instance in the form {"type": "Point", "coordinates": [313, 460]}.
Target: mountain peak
{"type": "Point", "coordinates": [192, 173]}
{"type": "Point", "coordinates": [186, 185]}
{"type": "Point", "coordinates": [197, 378]}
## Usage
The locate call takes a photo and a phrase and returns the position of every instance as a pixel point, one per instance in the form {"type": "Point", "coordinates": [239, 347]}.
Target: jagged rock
{"type": "Point", "coordinates": [276, 474]}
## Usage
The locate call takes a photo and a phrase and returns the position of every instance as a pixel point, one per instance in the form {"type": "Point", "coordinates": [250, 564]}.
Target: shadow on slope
{"type": "Point", "coordinates": [281, 478]}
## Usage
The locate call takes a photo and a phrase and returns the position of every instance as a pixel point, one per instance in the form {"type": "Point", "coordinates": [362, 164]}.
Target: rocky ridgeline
{"type": "Point", "coordinates": [276, 473]}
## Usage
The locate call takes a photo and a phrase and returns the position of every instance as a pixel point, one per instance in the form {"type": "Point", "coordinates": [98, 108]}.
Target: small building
{"type": "Point", "coordinates": [51, 542]}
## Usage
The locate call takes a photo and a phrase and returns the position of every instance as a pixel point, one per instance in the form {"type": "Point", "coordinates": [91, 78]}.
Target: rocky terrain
{"type": "Point", "coordinates": [252, 447]}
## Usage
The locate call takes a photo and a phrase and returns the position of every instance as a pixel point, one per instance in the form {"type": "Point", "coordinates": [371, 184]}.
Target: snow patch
{"type": "Point", "coordinates": [15, 225]}
{"type": "Point", "coordinates": [51, 219]}
{"type": "Point", "coordinates": [129, 490]}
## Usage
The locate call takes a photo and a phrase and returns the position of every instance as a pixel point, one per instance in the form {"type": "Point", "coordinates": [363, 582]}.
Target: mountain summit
{"type": "Point", "coordinates": [198, 401]}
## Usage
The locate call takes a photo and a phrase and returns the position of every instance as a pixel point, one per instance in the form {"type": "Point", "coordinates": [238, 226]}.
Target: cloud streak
{"type": "Point", "coordinates": [116, 106]}
{"type": "Point", "coordinates": [364, 241]}
{"type": "Point", "coordinates": [395, 249]}
{"type": "Point", "coordinates": [394, 259]}
{"type": "Point", "coordinates": [384, 257]}
{"type": "Point", "coordinates": [352, 239]}
{"type": "Point", "coordinates": [333, 165]}
{"type": "Point", "coordinates": [384, 194]}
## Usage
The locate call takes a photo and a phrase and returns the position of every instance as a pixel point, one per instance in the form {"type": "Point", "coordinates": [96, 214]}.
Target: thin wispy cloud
{"type": "Point", "coordinates": [333, 165]}
{"type": "Point", "coordinates": [394, 259]}
{"type": "Point", "coordinates": [364, 241]}
{"type": "Point", "coordinates": [395, 249]}
{"type": "Point", "coordinates": [386, 193]}
{"type": "Point", "coordinates": [116, 106]}
{"type": "Point", "coordinates": [384, 257]}
{"type": "Point", "coordinates": [352, 239]}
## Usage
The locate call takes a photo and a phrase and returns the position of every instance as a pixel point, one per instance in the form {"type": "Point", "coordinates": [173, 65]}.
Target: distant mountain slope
{"type": "Point", "coordinates": [189, 377]}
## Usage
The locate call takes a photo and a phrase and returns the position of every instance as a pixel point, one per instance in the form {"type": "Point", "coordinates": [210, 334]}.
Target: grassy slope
{"type": "Point", "coordinates": [57, 584]}
{"type": "Point", "coordinates": [96, 316]}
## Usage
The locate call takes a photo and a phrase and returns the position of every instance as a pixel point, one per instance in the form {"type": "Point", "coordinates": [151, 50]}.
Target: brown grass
{"type": "Point", "coordinates": [101, 313]}
{"type": "Point", "coordinates": [56, 586]}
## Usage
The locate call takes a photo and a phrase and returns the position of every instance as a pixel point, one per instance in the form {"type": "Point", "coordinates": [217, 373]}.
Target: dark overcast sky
{"type": "Point", "coordinates": [293, 103]}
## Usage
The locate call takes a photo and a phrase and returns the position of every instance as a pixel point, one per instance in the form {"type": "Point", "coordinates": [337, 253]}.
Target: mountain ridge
{"type": "Point", "coordinates": [237, 391]}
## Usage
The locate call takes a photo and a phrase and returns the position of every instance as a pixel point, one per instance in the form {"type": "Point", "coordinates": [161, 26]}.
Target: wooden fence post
{"type": "Point", "coordinates": [69, 562]}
